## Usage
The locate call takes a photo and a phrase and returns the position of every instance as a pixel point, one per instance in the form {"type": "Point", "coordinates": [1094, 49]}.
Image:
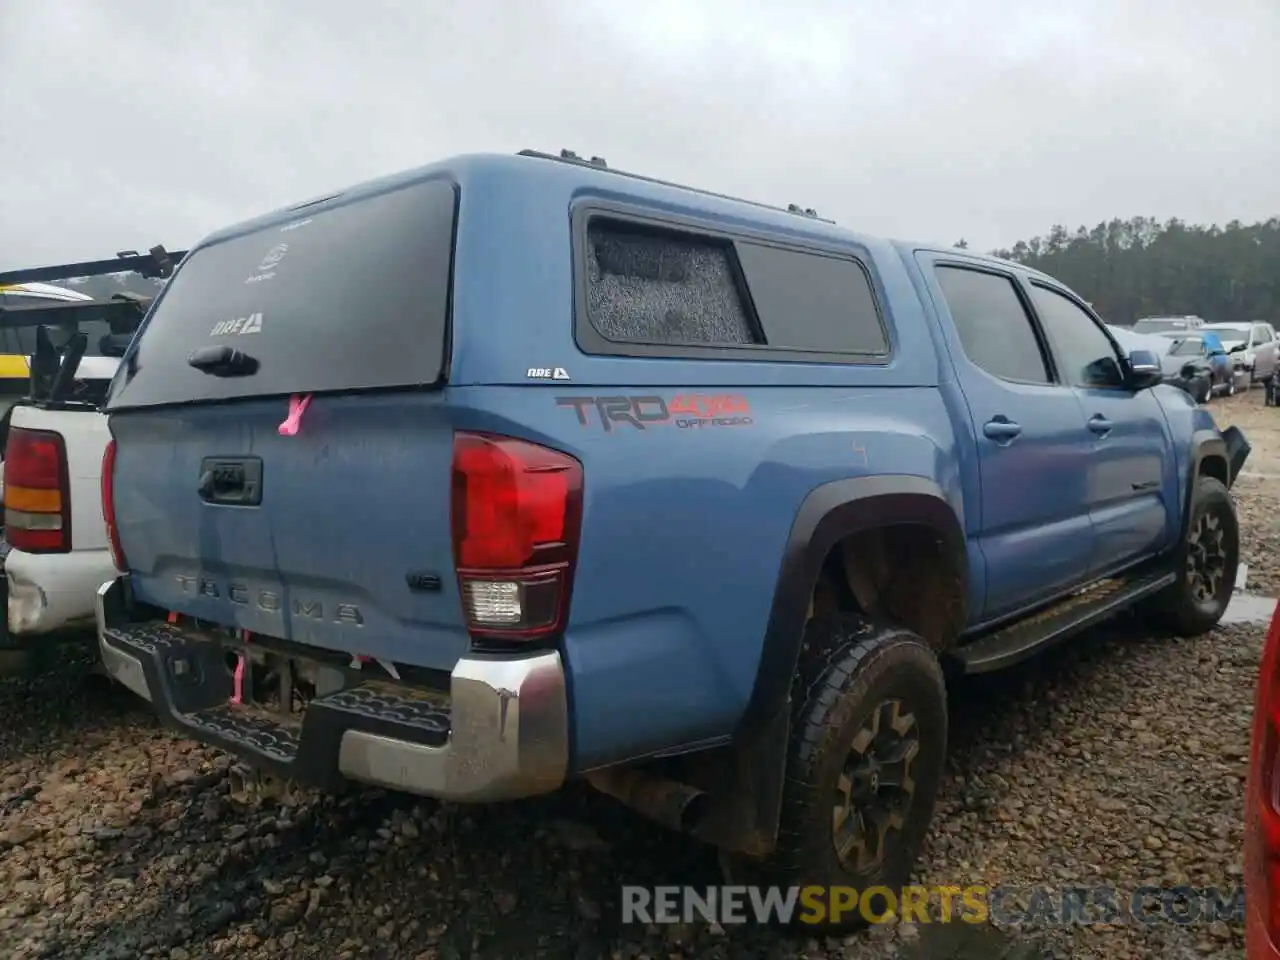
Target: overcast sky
{"type": "Point", "coordinates": [125, 123]}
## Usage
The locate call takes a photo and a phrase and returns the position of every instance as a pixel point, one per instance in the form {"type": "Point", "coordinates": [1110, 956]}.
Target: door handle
{"type": "Point", "coordinates": [1100, 424]}
{"type": "Point", "coordinates": [231, 481]}
{"type": "Point", "coordinates": [1001, 430]}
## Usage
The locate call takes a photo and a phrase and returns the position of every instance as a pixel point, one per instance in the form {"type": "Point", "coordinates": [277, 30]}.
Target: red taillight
{"type": "Point", "coordinates": [1262, 798]}
{"type": "Point", "coordinates": [109, 504]}
{"type": "Point", "coordinates": [517, 510]}
{"type": "Point", "coordinates": [37, 496]}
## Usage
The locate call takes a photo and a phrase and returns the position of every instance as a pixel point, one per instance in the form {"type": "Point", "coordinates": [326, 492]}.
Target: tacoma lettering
{"type": "Point", "coordinates": [268, 601]}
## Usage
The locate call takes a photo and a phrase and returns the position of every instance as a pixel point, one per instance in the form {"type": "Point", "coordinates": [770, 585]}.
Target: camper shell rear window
{"type": "Point", "coordinates": [352, 297]}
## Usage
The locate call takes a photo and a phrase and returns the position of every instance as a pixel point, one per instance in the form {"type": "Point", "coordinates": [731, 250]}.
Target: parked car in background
{"type": "Point", "coordinates": [1193, 376]}
{"type": "Point", "coordinates": [1206, 352]}
{"type": "Point", "coordinates": [1168, 324]}
{"type": "Point", "coordinates": [1254, 343]}
{"type": "Point", "coordinates": [17, 344]}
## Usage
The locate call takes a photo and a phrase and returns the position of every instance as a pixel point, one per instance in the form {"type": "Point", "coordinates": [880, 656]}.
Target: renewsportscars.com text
{"type": "Point", "coordinates": [1001, 905]}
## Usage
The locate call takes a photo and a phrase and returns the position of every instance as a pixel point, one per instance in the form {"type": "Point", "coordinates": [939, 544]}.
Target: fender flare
{"type": "Point", "coordinates": [828, 514]}
{"type": "Point", "coordinates": [1206, 446]}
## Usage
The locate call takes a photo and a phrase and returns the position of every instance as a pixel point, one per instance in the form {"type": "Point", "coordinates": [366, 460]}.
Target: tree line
{"type": "Point", "coordinates": [1141, 267]}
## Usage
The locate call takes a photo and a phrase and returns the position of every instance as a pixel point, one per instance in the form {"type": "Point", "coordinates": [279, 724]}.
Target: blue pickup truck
{"type": "Point", "coordinates": [513, 470]}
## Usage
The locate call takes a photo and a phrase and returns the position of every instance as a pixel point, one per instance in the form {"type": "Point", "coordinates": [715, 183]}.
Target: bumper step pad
{"type": "Point", "coordinates": [500, 732]}
{"type": "Point", "coordinates": [197, 685]}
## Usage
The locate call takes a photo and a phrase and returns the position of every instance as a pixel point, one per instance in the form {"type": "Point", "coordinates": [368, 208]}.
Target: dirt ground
{"type": "Point", "coordinates": [1117, 760]}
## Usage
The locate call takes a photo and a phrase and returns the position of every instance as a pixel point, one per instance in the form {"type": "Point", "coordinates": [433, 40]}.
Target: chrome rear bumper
{"type": "Point", "coordinates": [501, 732]}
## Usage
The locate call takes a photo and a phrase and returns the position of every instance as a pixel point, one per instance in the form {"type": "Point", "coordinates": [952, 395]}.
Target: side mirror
{"type": "Point", "coordinates": [1144, 370]}
{"type": "Point", "coordinates": [1237, 348]}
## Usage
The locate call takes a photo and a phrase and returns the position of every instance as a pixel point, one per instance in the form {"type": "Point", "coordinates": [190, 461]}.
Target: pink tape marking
{"type": "Point", "coordinates": [237, 695]}
{"type": "Point", "coordinates": [297, 407]}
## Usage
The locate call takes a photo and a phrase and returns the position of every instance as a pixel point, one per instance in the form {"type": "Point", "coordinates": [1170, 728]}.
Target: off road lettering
{"type": "Point", "coordinates": [715, 422]}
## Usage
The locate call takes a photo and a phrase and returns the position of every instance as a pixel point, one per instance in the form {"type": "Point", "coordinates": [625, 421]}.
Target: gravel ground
{"type": "Point", "coordinates": [1117, 760]}
{"type": "Point", "coordinates": [1258, 489]}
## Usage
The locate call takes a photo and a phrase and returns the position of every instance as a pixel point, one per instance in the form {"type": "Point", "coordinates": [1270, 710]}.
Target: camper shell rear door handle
{"type": "Point", "coordinates": [231, 481]}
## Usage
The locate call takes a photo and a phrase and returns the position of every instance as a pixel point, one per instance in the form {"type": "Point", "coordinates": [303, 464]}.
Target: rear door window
{"type": "Point", "coordinates": [351, 297]}
{"type": "Point", "coordinates": [995, 329]}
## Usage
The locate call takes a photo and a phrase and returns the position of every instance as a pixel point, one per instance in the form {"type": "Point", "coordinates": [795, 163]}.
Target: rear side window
{"type": "Point", "coordinates": [353, 297]}
{"type": "Point", "coordinates": [651, 287]}
{"type": "Point", "coordinates": [808, 301]}
{"type": "Point", "coordinates": [994, 327]}
{"type": "Point", "coordinates": [666, 292]}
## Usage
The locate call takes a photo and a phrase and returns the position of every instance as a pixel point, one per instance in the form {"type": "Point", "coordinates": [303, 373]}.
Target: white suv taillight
{"type": "Point", "coordinates": [37, 494]}
{"type": "Point", "coordinates": [517, 513]}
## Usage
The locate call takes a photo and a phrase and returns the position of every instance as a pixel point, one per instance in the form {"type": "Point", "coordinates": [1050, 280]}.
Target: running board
{"type": "Point", "coordinates": [1027, 637]}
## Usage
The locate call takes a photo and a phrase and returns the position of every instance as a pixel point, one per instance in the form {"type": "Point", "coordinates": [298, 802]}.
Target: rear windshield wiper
{"type": "Point", "coordinates": [223, 362]}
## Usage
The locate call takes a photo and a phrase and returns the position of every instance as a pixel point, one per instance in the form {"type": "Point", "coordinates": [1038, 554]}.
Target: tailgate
{"type": "Point", "coordinates": [338, 536]}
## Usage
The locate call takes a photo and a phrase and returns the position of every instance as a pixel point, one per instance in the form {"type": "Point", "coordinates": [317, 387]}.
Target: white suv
{"type": "Point", "coordinates": [1255, 342]}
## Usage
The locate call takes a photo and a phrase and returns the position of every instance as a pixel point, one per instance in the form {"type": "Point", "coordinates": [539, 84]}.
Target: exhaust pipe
{"type": "Point", "coordinates": [676, 806]}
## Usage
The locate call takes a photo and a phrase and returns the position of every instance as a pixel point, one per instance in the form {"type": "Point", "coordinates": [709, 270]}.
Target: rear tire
{"type": "Point", "coordinates": [1207, 561]}
{"type": "Point", "coordinates": [867, 752]}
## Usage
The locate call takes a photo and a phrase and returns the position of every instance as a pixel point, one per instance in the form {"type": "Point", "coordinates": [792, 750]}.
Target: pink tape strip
{"type": "Point", "coordinates": [237, 695]}
{"type": "Point", "coordinates": [297, 407]}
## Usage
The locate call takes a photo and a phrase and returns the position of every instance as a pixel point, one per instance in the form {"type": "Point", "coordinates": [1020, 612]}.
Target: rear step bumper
{"type": "Point", "coordinates": [502, 731]}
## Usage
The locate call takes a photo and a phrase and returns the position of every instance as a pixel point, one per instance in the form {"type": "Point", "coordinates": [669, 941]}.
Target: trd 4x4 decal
{"type": "Point", "coordinates": [686, 411]}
